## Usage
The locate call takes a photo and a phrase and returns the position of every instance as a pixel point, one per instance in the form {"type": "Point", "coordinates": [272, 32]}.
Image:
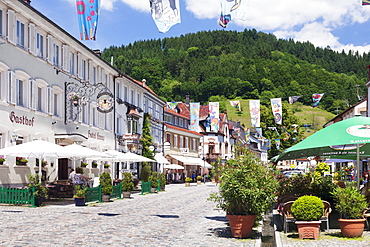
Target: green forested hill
{"type": "Point", "coordinates": [248, 65]}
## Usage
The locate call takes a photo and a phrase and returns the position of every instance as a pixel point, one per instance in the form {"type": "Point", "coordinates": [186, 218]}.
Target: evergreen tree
{"type": "Point", "coordinates": [146, 138]}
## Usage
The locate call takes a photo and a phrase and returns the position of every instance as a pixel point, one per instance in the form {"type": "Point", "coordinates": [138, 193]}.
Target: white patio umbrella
{"type": "Point", "coordinates": [78, 152]}
{"type": "Point", "coordinates": [131, 157]}
{"type": "Point", "coordinates": [36, 149]}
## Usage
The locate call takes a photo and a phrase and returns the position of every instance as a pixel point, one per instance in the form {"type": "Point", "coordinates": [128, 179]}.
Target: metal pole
{"type": "Point", "coordinates": [358, 165]}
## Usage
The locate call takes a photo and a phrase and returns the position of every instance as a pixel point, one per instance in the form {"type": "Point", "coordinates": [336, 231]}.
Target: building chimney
{"type": "Point", "coordinates": [144, 82]}
{"type": "Point", "coordinates": [97, 52]}
{"type": "Point", "coordinates": [27, 1]}
{"type": "Point", "coordinates": [187, 99]}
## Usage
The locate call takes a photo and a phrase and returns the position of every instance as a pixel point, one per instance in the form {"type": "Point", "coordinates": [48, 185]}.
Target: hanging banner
{"type": "Point", "coordinates": [194, 116]}
{"type": "Point", "coordinates": [165, 13]}
{"type": "Point", "coordinates": [254, 108]}
{"type": "Point", "coordinates": [259, 131]}
{"type": "Point", "coordinates": [268, 144]}
{"type": "Point", "coordinates": [293, 99]}
{"type": "Point", "coordinates": [295, 128]}
{"type": "Point", "coordinates": [316, 97]}
{"type": "Point", "coordinates": [277, 143]}
{"type": "Point", "coordinates": [247, 133]}
{"type": "Point", "coordinates": [277, 110]}
{"type": "Point", "coordinates": [287, 135]}
{"type": "Point", "coordinates": [236, 104]}
{"type": "Point", "coordinates": [365, 2]}
{"type": "Point", "coordinates": [172, 105]}
{"type": "Point", "coordinates": [232, 9]}
{"type": "Point", "coordinates": [88, 13]}
{"type": "Point", "coordinates": [214, 114]}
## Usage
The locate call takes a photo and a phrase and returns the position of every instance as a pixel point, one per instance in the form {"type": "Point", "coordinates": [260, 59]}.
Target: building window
{"type": "Point", "coordinates": [72, 63]}
{"type": "Point", "coordinates": [138, 100]}
{"type": "Point", "coordinates": [186, 142]}
{"type": "Point", "coordinates": [85, 114]}
{"type": "Point", "coordinates": [181, 141]}
{"type": "Point", "coordinates": [20, 34]}
{"type": "Point", "coordinates": [20, 93]}
{"type": "Point", "coordinates": [94, 117]}
{"type": "Point", "coordinates": [56, 105]}
{"type": "Point", "coordinates": [56, 55]}
{"type": "Point", "coordinates": [175, 141]}
{"type": "Point", "coordinates": [176, 121]}
{"type": "Point", "coordinates": [118, 90]}
{"type": "Point", "coordinates": [119, 126]}
{"type": "Point", "coordinates": [83, 68]}
{"type": "Point", "coordinates": [181, 122]}
{"type": "Point", "coordinates": [132, 97]}
{"type": "Point", "coordinates": [1, 23]}
{"type": "Point", "coordinates": [194, 146]}
{"type": "Point", "coordinates": [132, 124]}
{"type": "Point", "coordinates": [39, 45]}
{"type": "Point", "coordinates": [39, 99]}
{"type": "Point", "coordinates": [125, 94]}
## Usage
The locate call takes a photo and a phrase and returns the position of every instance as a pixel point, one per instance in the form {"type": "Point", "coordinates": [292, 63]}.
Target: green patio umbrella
{"type": "Point", "coordinates": [347, 139]}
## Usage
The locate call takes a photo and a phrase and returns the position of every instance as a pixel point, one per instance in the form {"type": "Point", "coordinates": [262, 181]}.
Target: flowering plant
{"type": "Point", "coordinates": [83, 164]}
{"type": "Point", "coordinates": [2, 159]}
{"type": "Point", "coordinates": [94, 164]}
{"type": "Point", "coordinates": [106, 165]}
{"type": "Point", "coordinates": [20, 160]}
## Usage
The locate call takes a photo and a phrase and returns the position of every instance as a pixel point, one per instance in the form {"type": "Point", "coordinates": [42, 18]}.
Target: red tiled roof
{"type": "Point", "coordinates": [182, 129]}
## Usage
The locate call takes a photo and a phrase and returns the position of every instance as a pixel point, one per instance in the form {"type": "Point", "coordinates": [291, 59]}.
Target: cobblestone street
{"type": "Point", "coordinates": [178, 217]}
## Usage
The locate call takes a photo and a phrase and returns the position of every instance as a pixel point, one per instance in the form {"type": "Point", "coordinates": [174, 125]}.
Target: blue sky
{"type": "Point", "coordinates": [343, 25]}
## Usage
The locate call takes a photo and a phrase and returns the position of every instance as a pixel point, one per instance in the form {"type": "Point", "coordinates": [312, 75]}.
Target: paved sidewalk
{"type": "Point", "coordinates": [181, 216]}
{"type": "Point", "coordinates": [332, 238]}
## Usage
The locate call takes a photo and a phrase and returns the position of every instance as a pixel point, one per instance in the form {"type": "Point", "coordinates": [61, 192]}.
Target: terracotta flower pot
{"type": "Point", "coordinates": [352, 228]}
{"type": "Point", "coordinates": [308, 229]}
{"type": "Point", "coordinates": [241, 225]}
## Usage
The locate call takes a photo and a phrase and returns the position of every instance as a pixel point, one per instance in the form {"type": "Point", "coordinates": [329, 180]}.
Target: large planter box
{"type": "Point", "coordinates": [308, 229]}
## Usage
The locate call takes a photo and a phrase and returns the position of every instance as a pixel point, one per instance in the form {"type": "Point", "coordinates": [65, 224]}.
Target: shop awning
{"type": "Point", "coordinates": [191, 161]}
{"type": "Point", "coordinates": [161, 159]}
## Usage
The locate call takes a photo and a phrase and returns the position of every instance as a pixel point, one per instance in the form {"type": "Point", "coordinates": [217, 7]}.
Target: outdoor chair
{"type": "Point", "coordinates": [327, 211]}
{"type": "Point", "coordinates": [367, 215]}
{"type": "Point", "coordinates": [287, 214]}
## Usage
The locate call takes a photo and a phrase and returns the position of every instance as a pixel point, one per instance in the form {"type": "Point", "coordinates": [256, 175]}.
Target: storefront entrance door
{"type": "Point", "coordinates": [63, 172]}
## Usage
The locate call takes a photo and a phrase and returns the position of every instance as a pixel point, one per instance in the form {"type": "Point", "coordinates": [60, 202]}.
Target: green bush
{"type": "Point", "coordinates": [106, 183]}
{"type": "Point", "coordinates": [199, 178]}
{"type": "Point", "coordinates": [80, 192]}
{"type": "Point", "coordinates": [349, 202]}
{"type": "Point", "coordinates": [127, 183]}
{"type": "Point", "coordinates": [308, 208]}
{"type": "Point", "coordinates": [247, 187]}
{"type": "Point", "coordinates": [154, 179]}
{"type": "Point", "coordinates": [40, 190]}
{"type": "Point", "coordinates": [145, 173]}
{"type": "Point", "coordinates": [162, 177]}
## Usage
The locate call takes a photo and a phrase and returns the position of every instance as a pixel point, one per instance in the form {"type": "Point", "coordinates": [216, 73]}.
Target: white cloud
{"type": "Point", "coordinates": [140, 5]}
{"type": "Point", "coordinates": [203, 9]}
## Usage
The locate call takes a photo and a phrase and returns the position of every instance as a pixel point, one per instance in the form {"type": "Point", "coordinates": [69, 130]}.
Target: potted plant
{"type": "Point", "coordinates": [162, 178]}
{"type": "Point", "coordinates": [199, 179]}
{"type": "Point", "coordinates": [41, 192]}
{"type": "Point", "coordinates": [2, 159]}
{"type": "Point", "coordinates": [153, 182]}
{"type": "Point", "coordinates": [83, 164]}
{"type": "Point", "coordinates": [80, 196]}
{"type": "Point", "coordinates": [247, 189]}
{"type": "Point", "coordinates": [94, 164]}
{"type": "Point", "coordinates": [188, 181]}
{"type": "Point", "coordinates": [21, 161]}
{"type": "Point", "coordinates": [307, 211]}
{"type": "Point", "coordinates": [106, 165]}
{"type": "Point", "coordinates": [351, 204]}
{"type": "Point", "coordinates": [107, 187]}
{"type": "Point", "coordinates": [127, 184]}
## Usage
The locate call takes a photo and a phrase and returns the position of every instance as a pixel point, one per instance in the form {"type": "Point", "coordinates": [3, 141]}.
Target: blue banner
{"type": "Point", "coordinates": [88, 13]}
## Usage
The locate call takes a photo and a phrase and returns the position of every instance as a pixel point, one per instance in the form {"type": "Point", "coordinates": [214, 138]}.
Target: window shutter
{"type": "Point", "coordinates": [50, 97]}
{"type": "Point", "coordinates": [50, 49]}
{"type": "Point", "coordinates": [12, 87]}
{"type": "Point", "coordinates": [11, 26]}
{"type": "Point", "coordinates": [79, 65]}
{"type": "Point", "coordinates": [65, 61]}
{"type": "Point", "coordinates": [32, 38]}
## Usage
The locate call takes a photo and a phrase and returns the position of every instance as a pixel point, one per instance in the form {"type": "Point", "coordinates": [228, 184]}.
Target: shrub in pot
{"type": "Point", "coordinates": [247, 190]}
{"type": "Point", "coordinates": [307, 210]}
{"type": "Point", "coordinates": [162, 177]}
{"type": "Point", "coordinates": [199, 179]}
{"type": "Point", "coordinates": [188, 181]}
{"type": "Point", "coordinates": [107, 187]}
{"type": "Point", "coordinates": [127, 184]}
{"type": "Point", "coordinates": [41, 192]}
{"type": "Point", "coordinates": [351, 204]}
{"type": "Point", "coordinates": [80, 196]}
